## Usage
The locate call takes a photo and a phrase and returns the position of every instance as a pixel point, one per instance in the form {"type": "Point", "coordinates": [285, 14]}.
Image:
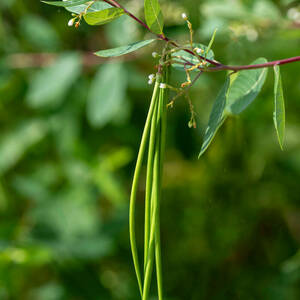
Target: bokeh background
{"type": "Point", "coordinates": [70, 126]}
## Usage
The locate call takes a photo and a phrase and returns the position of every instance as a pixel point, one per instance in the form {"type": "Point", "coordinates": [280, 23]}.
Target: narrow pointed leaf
{"type": "Point", "coordinates": [124, 49]}
{"type": "Point", "coordinates": [279, 109]}
{"type": "Point", "coordinates": [153, 16]}
{"type": "Point", "coordinates": [103, 16]}
{"type": "Point", "coordinates": [245, 87]}
{"type": "Point", "coordinates": [66, 3]}
{"type": "Point", "coordinates": [216, 118]}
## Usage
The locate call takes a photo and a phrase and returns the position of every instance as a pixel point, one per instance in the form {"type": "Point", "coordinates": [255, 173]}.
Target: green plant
{"type": "Point", "coordinates": [242, 85]}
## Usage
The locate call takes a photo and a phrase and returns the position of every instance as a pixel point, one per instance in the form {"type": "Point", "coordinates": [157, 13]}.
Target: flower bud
{"type": "Point", "coordinates": [162, 86]}
{"type": "Point", "coordinates": [184, 16]}
{"type": "Point", "coordinates": [71, 22]}
{"type": "Point", "coordinates": [199, 51]}
{"type": "Point", "coordinates": [154, 54]}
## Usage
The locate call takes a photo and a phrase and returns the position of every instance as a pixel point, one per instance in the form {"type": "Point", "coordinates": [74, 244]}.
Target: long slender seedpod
{"type": "Point", "coordinates": [154, 215]}
{"type": "Point", "coordinates": [155, 161]}
{"type": "Point", "coordinates": [135, 182]}
{"type": "Point", "coordinates": [163, 127]}
{"type": "Point", "coordinates": [149, 181]}
{"type": "Point", "coordinates": [157, 221]}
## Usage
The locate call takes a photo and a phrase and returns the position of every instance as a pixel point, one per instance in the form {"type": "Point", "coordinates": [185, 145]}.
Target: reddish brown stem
{"type": "Point", "coordinates": [257, 66]}
{"type": "Point", "coordinates": [116, 4]}
{"type": "Point", "coordinates": [217, 66]}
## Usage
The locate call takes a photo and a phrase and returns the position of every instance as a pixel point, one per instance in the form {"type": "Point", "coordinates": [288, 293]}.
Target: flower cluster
{"type": "Point", "coordinates": [151, 78]}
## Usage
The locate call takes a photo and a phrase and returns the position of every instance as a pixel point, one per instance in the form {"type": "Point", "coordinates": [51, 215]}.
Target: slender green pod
{"type": "Point", "coordinates": [157, 142]}
{"type": "Point", "coordinates": [154, 212]}
{"type": "Point", "coordinates": [134, 187]}
{"type": "Point", "coordinates": [163, 127]}
{"type": "Point", "coordinates": [149, 181]}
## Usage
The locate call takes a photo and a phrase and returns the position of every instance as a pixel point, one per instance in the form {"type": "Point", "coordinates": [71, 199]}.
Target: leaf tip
{"type": "Point", "coordinates": [97, 53]}
{"type": "Point", "coordinates": [202, 150]}
{"type": "Point", "coordinates": [281, 144]}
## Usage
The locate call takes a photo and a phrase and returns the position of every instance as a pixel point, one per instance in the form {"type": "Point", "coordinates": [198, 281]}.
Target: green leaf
{"type": "Point", "coordinates": [122, 31]}
{"type": "Point", "coordinates": [97, 6]}
{"type": "Point", "coordinates": [39, 33]}
{"type": "Point", "coordinates": [49, 86]}
{"type": "Point", "coordinates": [216, 118]}
{"type": "Point", "coordinates": [124, 49]}
{"type": "Point", "coordinates": [79, 6]}
{"type": "Point", "coordinates": [66, 3]}
{"type": "Point", "coordinates": [245, 87]}
{"type": "Point", "coordinates": [279, 109]}
{"type": "Point", "coordinates": [103, 16]}
{"type": "Point", "coordinates": [107, 94]}
{"type": "Point", "coordinates": [153, 16]}
{"type": "Point", "coordinates": [182, 57]}
{"type": "Point", "coordinates": [103, 175]}
{"type": "Point", "coordinates": [16, 143]}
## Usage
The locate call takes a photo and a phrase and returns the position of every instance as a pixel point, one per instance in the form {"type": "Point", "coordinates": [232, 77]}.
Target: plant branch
{"type": "Point", "coordinates": [159, 36]}
{"type": "Point", "coordinates": [257, 66]}
{"type": "Point", "coordinates": [116, 4]}
{"type": "Point", "coordinates": [184, 91]}
{"type": "Point", "coordinates": [217, 66]}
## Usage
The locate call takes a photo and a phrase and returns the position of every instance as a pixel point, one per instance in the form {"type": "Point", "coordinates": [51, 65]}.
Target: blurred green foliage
{"type": "Point", "coordinates": [70, 129]}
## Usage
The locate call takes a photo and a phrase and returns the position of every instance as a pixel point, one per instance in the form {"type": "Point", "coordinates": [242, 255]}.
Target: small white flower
{"type": "Point", "coordinates": [154, 54]}
{"type": "Point", "coordinates": [151, 78]}
{"type": "Point", "coordinates": [162, 86]}
{"type": "Point", "coordinates": [199, 51]}
{"type": "Point", "coordinates": [71, 22]}
{"type": "Point", "coordinates": [184, 16]}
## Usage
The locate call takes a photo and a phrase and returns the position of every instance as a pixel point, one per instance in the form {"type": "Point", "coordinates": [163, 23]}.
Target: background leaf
{"type": "Point", "coordinates": [279, 109]}
{"type": "Point", "coordinates": [245, 87]}
{"type": "Point", "coordinates": [39, 33]}
{"type": "Point", "coordinates": [103, 16]}
{"type": "Point", "coordinates": [153, 16]}
{"type": "Point", "coordinates": [49, 86]}
{"type": "Point", "coordinates": [122, 31]}
{"type": "Point", "coordinates": [216, 118]}
{"type": "Point", "coordinates": [123, 49]}
{"type": "Point", "coordinates": [107, 94]}
{"type": "Point", "coordinates": [14, 144]}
